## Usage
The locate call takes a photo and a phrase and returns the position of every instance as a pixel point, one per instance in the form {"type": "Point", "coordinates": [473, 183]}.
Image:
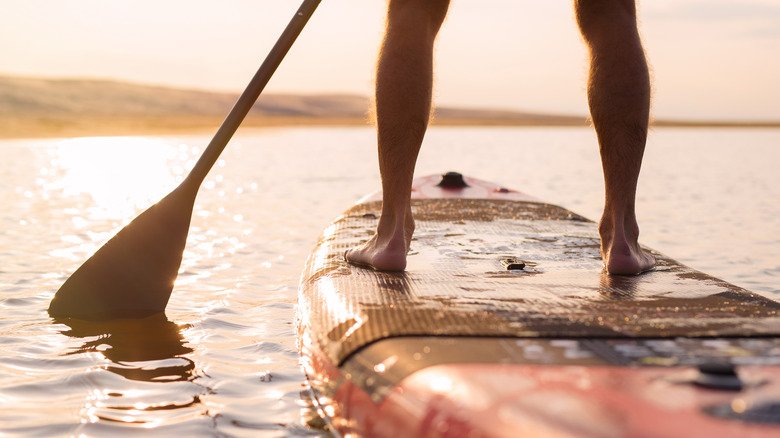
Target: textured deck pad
{"type": "Point", "coordinates": [456, 285]}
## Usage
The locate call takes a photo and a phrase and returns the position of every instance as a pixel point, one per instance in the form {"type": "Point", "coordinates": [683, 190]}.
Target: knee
{"type": "Point", "coordinates": [600, 20]}
{"type": "Point", "coordinates": [429, 13]}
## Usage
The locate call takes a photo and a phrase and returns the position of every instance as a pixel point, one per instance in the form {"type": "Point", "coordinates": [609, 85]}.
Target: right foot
{"type": "Point", "coordinates": [623, 260]}
{"type": "Point", "coordinates": [620, 249]}
{"type": "Point", "coordinates": [386, 250]}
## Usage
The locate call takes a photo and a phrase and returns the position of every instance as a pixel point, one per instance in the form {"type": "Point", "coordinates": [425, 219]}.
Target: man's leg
{"type": "Point", "coordinates": [619, 99]}
{"type": "Point", "coordinates": [403, 103]}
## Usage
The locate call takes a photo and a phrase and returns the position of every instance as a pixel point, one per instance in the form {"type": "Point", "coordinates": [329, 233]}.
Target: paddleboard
{"type": "Point", "coordinates": [505, 324]}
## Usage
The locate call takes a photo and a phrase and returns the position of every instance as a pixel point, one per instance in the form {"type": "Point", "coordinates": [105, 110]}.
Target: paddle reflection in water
{"type": "Point", "coordinates": [151, 352]}
{"type": "Point", "coordinates": [148, 349]}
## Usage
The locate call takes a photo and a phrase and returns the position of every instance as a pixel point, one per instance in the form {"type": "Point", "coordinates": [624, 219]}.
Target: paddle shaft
{"type": "Point", "coordinates": [252, 92]}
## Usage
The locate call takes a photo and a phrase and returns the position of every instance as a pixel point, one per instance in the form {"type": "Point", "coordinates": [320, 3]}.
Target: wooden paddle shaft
{"type": "Point", "coordinates": [252, 92]}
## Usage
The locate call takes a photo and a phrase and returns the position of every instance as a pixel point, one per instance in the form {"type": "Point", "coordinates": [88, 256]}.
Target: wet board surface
{"type": "Point", "coordinates": [496, 277]}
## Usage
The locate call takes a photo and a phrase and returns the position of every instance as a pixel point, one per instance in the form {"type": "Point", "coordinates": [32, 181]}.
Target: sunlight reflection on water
{"type": "Point", "coordinates": [223, 360]}
{"type": "Point", "coordinates": [121, 175]}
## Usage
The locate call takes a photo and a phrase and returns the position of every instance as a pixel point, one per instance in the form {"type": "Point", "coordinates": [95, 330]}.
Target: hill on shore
{"type": "Point", "coordinates": [44, 107]}
{"type": "Point", "coordinates": [33, 107]}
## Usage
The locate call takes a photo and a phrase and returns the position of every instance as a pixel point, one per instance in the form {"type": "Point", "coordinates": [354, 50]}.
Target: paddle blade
{"type": "Point", "coordinates": [131, 275]}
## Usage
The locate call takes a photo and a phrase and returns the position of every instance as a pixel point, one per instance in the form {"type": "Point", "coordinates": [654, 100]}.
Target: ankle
{"type": "Point", "coordinates": [619, 226]}
{"type": "Point", "coordinates": [393, 226]}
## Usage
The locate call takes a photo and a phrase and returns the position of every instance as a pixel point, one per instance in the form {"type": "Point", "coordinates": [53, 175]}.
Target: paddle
{"type": "Point", "coordinates": [132, 275]}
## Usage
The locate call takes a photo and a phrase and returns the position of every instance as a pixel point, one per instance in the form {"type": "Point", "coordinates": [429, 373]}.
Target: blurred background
{"type": "Point", "coordinates": [711, 59]}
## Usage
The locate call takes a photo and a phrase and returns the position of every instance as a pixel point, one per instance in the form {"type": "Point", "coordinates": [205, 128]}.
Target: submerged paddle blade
{"type": "Point", "coordinates": [132, 275]}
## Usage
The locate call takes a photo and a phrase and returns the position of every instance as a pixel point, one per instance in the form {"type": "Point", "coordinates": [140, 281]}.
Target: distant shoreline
{"type": "Point", "coordinates": [50, 127]}
{"type": "Point", "coordinates": [36, 108]}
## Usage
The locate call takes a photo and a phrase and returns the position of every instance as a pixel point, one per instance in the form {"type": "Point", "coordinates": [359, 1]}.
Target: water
{"type": "Point", "coordinates": [224, 361]}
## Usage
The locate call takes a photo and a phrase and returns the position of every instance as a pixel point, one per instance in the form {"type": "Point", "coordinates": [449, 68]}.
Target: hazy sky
{"type": "Point", "coordinates": [710, 58]}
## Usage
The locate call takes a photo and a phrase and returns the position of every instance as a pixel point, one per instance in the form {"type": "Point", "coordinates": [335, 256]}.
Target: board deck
{"type": "Point", "coordinates": [466, 316]}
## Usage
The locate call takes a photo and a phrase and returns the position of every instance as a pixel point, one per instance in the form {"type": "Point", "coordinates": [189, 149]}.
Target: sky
{"type": "Point", "coordinates": [710, 59]}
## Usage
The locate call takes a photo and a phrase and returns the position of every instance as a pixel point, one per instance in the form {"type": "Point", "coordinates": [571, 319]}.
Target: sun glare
{"type": "Point", "coordinates": [121, 175]}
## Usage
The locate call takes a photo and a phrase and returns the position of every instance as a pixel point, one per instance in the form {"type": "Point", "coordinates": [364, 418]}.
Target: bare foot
{"type": "Point", "coordinates": [386, 250]}
{"type": "Point", "coordinates": [620, 249]}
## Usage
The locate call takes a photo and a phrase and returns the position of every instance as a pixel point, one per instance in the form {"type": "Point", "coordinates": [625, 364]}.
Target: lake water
{"type": "Point", "coordinates": [224, 361]}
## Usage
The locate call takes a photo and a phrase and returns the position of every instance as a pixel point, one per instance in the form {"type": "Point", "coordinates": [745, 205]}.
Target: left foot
{"type": "Point", "coordinates": [386, 250]}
